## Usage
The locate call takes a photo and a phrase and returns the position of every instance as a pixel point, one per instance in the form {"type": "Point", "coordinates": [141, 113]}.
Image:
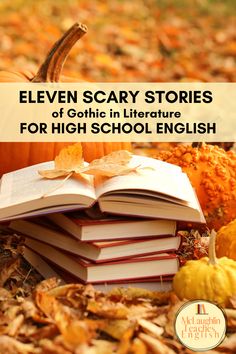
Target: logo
{"type": "Point", "coordinates": [200, 325]}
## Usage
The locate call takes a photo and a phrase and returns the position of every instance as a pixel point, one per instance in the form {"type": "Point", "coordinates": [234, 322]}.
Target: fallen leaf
{"type": "Point", "coordinates": [69, 158]}
{"type": "Point", "coordinates": [8, 269]}
{"type": "Point", "coordinates": [229, 343]}
{"type": "Point", "coordinates": [68, 161]}
{"type": "Point", "coordinates": [116, 328]}
{"type": "Point", "coordinates": [15, 325]}
{"type": "Point", "coordinates": [125, 341]}
{"type": "Point", "coordinates": [12, 346]}
{"type": "Point", "coordinates": [232, 301]}
{"type": "Point", "coordinates": [51, 174]}
{"type": "Point", "coordinates": [155, 345]}
{"type": "Point", "coordinates": [113, 164]}
{"type": "Point", "coordinates": [138, 347]}
{"type": "Point", "coordinates": [151, 328]}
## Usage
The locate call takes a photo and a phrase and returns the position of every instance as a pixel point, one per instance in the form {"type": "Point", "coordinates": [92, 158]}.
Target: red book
{"type": "Point", "coordinates": [86, 229]}
{"type": "Point", "coordinates": [96, 251]}
{"type": "Point", "coordinates": [134, 268]}
{"type": "Point", "coordinates": [153, 284]}
{"type": "Point", "coordinates": [48, 270]}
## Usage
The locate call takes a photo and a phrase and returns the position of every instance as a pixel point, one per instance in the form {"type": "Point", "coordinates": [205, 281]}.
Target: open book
{"type": "Point", "coordinates": [156, 190]}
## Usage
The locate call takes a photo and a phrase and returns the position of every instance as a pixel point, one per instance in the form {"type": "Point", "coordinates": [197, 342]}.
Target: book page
{"type": "Point", "coordinates": [153, 176]}
{"type": "Point", "coordinates": [26, 184]}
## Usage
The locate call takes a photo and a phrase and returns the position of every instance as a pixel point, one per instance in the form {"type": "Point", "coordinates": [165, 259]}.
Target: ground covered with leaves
{"type": "Point", "coordinates": [142, 41]}
{"type": "Point", "coordinates": [77, 319]}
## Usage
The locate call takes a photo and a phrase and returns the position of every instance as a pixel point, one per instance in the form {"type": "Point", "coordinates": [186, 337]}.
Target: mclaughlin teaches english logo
{"type": "Point", "coordinates": [200, 325]}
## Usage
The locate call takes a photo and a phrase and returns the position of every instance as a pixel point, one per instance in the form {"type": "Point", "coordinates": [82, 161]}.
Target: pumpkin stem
{"type": "Point", "coordinates": [51, 69]}
{"type": "Point", "coordinates": [212, 248]}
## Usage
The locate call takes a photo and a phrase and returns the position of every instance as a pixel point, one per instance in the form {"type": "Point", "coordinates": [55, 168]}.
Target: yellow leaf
{"type": "Point", "coordinates": [51, 174]}
{"type": "Point", "coordinates": [69, 158]}
{"type": "Point", "coordinates": [113, 164]}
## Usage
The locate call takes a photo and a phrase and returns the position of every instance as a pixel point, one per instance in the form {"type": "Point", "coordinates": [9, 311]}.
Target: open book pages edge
{"type": "Point", "coordinates": [26, 190]}
{"type": "Point", "coordinates": [163, 210]}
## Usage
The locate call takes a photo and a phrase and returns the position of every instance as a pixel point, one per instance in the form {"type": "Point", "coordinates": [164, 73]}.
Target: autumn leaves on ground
{"type": "Point", "coordinates": [142, 41]}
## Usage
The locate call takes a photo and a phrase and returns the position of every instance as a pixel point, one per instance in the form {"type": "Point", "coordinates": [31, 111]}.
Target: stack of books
{"type": "Point", "coordinates": [134, 242]}
{"type": "Point", "coordinates": [104, 251]}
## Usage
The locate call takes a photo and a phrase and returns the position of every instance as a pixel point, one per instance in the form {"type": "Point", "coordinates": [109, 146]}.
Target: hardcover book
{"type": "Point", "coordinates": [144, 267]}
{"type": "Point", "coordinates": [96, 251]}
{"type": "Point", "coordinates": [87, 229]}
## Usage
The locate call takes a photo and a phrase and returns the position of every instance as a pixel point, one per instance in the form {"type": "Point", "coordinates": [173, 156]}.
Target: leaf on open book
{"type": "Point", "coordinates": [51, 174]}
{"type": "Point", "coordinates": [69, 160]}
{"type": "Point", "coordinates": [109, 170]}
{"type": "Point", "coordinates": [113, 164]}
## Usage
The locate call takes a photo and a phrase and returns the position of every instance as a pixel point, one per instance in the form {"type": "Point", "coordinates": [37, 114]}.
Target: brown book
{"type": "Point", "coordinates": [87, 229]}
{"type": "Point", "coordinates": [134, 268]}
{"type": "Point", "coordinates": [96, 251]}
{"type": "Point", "coordinates": [156, 190]}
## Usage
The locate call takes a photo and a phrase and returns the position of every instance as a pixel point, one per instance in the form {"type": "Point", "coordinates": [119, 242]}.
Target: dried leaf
{"type": "Point", "coordinates": [51, 174]}
{"type": "Point", "coordinates": [229, 343]}
{"type": "Point", "coordinates": [68, 160]}
{"type": "Point", "coordinates": [116, 328]}
{"type": "Point", "coordinates": [132, 294]}
{"type": "Point", "coordinates": [109, 170]}
{"type": "Point", "coordinates": [28, 308]}
{"type": "Point", "coordinates": [138, 347]}
{"type": "Point", "coordinates": [8, 269]}
{"type": "Point", "coordinates": [64, 289]}
{"type": "Point", "coordinates": [103, 347]}
{"type": "Point", "coordinates": [79, 332]}
{"type": "Point", "coordinates": [108, 309]}
{"type": "Point", "coordinates": [232, 302]}
{"type": "Point", "coordinates": [161, 320]}
{"type": "Point", "coordinates": [231, 313]}
{"type": "Point", "coordinates": [47, 284]}
{"type": "Point", "coordinates": [49, 331]}
{"type": "Point", "coordinates": [155, 345]}
{"type": "Point", "coordinates": [171, 315]}
{"type": "Point", "coordinates": [151, 328]}
{"type": "Point", "coordinates": [125, 341]}
{"type": "Point", "coordinates": [113, 164]}
{"type": "Point", "coordinates": [54, 310]}
{"type": "Point", "coordinates": [12, 346]}
{"type": "Point", "coordinates": [4, 294]}
{"type": "Point", "coordinates": [15, 325]}
{"type": "Point", "coordinates": [50, 347]}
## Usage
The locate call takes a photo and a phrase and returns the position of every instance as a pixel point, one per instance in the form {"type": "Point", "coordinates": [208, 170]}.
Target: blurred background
{"type": "Point", "coordinates": [151, 40]}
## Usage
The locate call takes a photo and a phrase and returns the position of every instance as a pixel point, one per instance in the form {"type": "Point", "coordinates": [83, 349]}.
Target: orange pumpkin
{"type": "Point", "coordinates": [226, 241]}
{"type": "Point", "coordinates": [19, 155]}
{"type": "Point", "coordinates": [212, 172]}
